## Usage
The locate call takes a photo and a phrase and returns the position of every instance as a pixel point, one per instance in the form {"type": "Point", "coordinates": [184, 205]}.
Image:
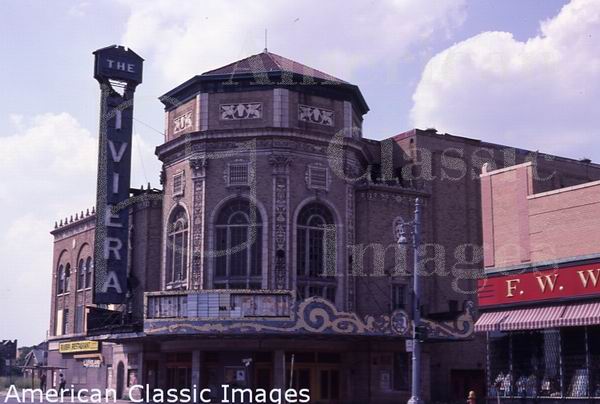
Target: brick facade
{"type": "Point", "coordinates": [524, 226]}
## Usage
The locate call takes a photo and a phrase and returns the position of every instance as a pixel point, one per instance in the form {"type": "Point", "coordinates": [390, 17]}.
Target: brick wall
{"type": "Point", "coordinates": [523, 227]}
{"type": "Point", "coordinates": [74, 242]}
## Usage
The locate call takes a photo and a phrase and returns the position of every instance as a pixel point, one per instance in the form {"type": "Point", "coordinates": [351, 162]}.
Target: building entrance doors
{"type": "Point", "coordinates": [179, 370]}
{"type": "Point", "coordinates": [323, 381]}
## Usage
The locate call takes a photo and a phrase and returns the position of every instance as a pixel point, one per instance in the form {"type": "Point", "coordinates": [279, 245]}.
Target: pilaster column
{"type": "Point", "coordinates": [279, 369]}
{"type": "Point", "coordinates": [198, 167]}
{"type": "Point", "coordinates": [196, 369]}
{"type": "Point", "coordinates": [280, 265]}
{"type": "Point", "coordinates": [162, 371]}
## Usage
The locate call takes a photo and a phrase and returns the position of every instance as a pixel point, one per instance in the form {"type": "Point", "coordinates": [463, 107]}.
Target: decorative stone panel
{"type": "Point", "coordinates": [280, 165]}
{"type": "Point", "coordinates": [182, 122]}
{"type": "Point", "coordinates": [234, 112]}
{"type": "Point", "coordinates": [350, 219]}
{"type": "Point", "coordinates": [198, 166]}
{"type": "Point", "coordinates": [316, 115]}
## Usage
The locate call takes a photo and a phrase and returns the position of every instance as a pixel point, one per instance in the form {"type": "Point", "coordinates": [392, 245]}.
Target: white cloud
{"type": "Point", "coordinates": [336, 36]}
{"type": "Point", "coordinates": [52, 159]}
{"type": "Point", "coordinates": [541, 93]}
{"type": "Point", "coordinates": [48, 172]}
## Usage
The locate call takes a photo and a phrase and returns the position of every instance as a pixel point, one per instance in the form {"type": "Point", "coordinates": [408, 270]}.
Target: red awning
{"type": "Point", "coordinates": [534, 318]}
{"type": "Point", "coordinates": [539, 317]}
{"type": "Point", "coordinates": [490, 321]}
{"type": "Point", "coordinates": [582, 314]}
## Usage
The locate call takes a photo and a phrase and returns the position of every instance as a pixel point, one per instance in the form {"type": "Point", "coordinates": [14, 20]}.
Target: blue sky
{"type": "Point", "coordinates": [517, 72]}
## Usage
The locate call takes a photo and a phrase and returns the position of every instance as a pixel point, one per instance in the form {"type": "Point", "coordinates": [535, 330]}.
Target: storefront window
{"type": "Point", "coordinates": [594, 350]}
{"type": "Point", "coordinates": [574, 362]}
{"type": "Point", "coordinates": [525, 364]}
{"type": "Point", "coordinates": [550, 385]}
{"type": "Point", "coordinates": [499, 364]}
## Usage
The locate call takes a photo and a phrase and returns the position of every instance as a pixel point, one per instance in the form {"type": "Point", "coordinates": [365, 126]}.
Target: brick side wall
{"type": "Point", "coordinates": [565, 223]}
{"type": "Point", "coordinates": [75, 241]}
{"type": "Point", "coordinates": [522, 227]}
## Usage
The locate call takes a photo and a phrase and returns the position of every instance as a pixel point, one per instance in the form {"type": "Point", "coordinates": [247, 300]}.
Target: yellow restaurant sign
{"type": "Point", "coordinates": [79, 346]}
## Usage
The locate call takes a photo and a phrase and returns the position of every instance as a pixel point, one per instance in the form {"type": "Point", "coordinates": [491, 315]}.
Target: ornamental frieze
{"type": "Point", "coordinates": [182, 122]}
{"type": "Point", "coordinates": [234, 112]}
{"type": "Point", "coordinates": [316, 315]}
{"type": "Point", "coordinates": [320, 116]}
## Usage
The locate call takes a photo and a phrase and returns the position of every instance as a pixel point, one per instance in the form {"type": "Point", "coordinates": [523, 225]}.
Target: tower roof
{"type": "Point", "coordinates": [268, 62]}
{"type": "Point", "coordinates": [276, 70]}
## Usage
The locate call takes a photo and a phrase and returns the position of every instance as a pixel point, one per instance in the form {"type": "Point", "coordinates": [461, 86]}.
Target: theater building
{"type": "Point", "coordinates": [268, 259]}
{"type": "Point", "coordinates": [540, 299]}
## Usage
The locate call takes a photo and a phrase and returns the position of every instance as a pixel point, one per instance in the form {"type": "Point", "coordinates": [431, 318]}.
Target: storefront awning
{"type": "Point", "coordinates": [539, 317]}
{"type": "Point", "coordinates": [582, 314]}
{"type": "Point", "coordinates": [490, 321]}
{"type": "Point", "coordinates": [531, 319]}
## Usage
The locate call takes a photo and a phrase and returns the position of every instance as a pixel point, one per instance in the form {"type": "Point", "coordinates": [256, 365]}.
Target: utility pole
{"type": "Point", "coordinates": [414, 232]}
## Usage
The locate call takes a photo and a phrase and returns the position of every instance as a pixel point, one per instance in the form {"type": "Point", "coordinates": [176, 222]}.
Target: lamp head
{"type": "Point", "coordinates": [403, 239]}
{"type": "Point", "coordinates": [399, 231]}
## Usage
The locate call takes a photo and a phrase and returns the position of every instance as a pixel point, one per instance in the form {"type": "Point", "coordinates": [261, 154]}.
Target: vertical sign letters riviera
{"type": "Point", "coordinates": [119, 71]}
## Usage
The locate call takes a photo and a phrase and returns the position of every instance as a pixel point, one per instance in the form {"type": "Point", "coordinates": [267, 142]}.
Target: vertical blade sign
{"type": "Point", "coordinates": [119, 71]}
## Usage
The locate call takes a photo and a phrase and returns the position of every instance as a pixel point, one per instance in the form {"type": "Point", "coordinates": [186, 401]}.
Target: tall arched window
{"type": "Point", "coordinates": [60, 280]}
{"type": "Point", "coordinates": [316, 252]}
{"type": "Point", "coordinates": [88, 272]}
{"type": "Point", "coordinates": [177, 248]}
{"type": "Point", "coordinates": [67, 278]}
{"type": "Point", "coordinates": [238, 261]}
{"type": "Point", "coordinates": [81, 274]}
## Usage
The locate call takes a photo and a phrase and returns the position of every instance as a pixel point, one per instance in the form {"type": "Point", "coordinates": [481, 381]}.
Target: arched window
{"type": "Point", "coordinates": [177, 248]}
{"type": "Point", "coordinates": [67, 278]}
{"type": "Point", "coordinates": [238, 261]}
{"type": "Point", "coordinates": [316, 252]}
{"type": "Point", "coordinates": [81, 274]}
{"type": "Point", "coordinates": [60, 280]}
{"type": "Point", "coordinates": [88, 272]}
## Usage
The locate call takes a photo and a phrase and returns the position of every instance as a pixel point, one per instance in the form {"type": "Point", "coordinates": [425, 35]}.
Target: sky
{"type": "Point", "coordinates": [518, 72]}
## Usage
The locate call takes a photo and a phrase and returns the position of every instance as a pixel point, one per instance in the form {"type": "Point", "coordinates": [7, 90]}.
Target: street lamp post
{"type": "Point", "coordinates": [401, 233]}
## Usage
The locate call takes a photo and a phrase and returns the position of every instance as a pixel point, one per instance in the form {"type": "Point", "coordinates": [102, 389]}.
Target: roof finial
{"type": "Point", "coordinates": [265, 50]}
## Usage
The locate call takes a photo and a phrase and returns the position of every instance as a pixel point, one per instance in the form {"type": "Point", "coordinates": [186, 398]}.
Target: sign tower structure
{"type": "Point", "coordinates": [119, 71]}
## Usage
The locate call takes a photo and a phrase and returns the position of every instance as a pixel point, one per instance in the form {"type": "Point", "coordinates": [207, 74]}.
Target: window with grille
{"type": "Point", "coordinates": [398, 297]}
{"type": "Point", "coordinates": [238, 174]}
{"type": "Point", "coordinates": [178, 184]}
{"type": "Point", "coordinates": [317, 177]}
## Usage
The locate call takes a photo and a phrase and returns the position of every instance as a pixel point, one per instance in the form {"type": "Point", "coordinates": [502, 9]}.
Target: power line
{"type": "Point", "coordinates": [149, 126]}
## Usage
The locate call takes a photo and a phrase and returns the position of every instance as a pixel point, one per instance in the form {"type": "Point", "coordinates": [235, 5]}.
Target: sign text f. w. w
{"type": "Point", "coordinates": [540, 285]}
{"type": "Point", "coordinates": [119, 71]}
